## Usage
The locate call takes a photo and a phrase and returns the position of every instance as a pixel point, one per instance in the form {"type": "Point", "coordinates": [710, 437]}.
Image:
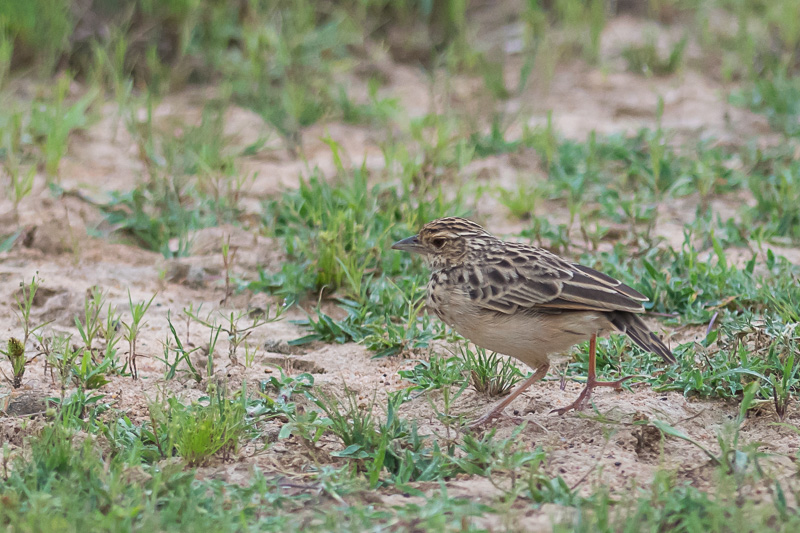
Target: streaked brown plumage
{"type": "Point", "coordinates": [523, 301]}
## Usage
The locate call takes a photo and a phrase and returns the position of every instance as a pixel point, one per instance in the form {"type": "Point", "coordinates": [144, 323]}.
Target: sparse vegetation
{"type": "Point", "coordinates": [489, 373]}
{"type": "Point", "coordinates": [251, 164]}
{"type": "Point", "coordinates": [132, 329]}
{"type": "Point", "coordinates": [15, 352]}
{"type": "Point", "coordinates": [645, 58]}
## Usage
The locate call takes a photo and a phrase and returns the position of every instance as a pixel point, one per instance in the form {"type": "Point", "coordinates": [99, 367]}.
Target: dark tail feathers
{"type": "Point", "coordinates": [635, 328]}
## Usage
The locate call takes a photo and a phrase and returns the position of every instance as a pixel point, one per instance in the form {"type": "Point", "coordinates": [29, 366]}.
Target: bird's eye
{"type": "Point", "coordinates": [438, 243]}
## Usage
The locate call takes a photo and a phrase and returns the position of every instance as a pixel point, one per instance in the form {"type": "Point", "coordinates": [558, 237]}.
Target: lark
{"type": "Point", "coordinates": [525, 302]}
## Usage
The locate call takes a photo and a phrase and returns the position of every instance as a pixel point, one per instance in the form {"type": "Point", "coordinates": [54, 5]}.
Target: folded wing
{"type": "Point", "coordinates": [521, 277]}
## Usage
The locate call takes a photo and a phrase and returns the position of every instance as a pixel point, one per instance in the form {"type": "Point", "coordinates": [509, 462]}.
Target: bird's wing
{"type": "Point", "coordinates": [523, 278]}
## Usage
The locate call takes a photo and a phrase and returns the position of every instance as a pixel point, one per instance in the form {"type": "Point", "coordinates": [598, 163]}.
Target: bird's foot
{"type": "Point", "coordinates": [577, 405]}
{"type": "Point", "coordinates": [497, 410]}
{"type": "Point", "coordinates": [586, 393]}
{"type": "Point", "coordinates": [615, 384]}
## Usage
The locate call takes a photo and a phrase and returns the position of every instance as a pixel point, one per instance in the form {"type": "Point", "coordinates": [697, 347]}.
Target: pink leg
{"type": "Point", "coordinates": [591, 381]}
{"type": "Point", "coordinates": [495, 411]}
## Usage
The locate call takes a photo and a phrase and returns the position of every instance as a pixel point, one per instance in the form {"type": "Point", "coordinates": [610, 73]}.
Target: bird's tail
{"type": "Point", "coordinates": [635, 328]}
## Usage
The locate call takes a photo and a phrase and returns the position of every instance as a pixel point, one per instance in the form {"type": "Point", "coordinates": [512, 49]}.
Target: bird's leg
{"type": "Point", "coordinates": [591, 381]}
{"type": "Point", "coordinates": [497, 410]}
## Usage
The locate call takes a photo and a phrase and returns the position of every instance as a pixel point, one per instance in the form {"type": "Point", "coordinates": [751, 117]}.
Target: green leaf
{"type": "Point", "coordinates": [673, 432]}
{"type": "Point", "coordinates": [354, 451]}
{"type": "Point", "coordinates": [7, 244]}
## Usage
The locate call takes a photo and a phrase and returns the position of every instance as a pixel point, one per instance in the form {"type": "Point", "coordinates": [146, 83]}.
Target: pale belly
{"type": "Point", "coordinates": [530, 337]}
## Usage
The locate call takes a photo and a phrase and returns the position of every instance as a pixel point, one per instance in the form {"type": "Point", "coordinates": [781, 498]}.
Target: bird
{"type": "Point", "coordinates": [524, 302]}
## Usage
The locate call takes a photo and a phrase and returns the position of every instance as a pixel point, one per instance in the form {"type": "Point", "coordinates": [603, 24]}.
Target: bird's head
{"type": "Point", "coordinates": [446, 242]}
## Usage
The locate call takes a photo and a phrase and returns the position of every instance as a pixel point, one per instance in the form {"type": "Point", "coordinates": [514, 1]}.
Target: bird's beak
{"type": "Point", "coordinates": [410, 244]}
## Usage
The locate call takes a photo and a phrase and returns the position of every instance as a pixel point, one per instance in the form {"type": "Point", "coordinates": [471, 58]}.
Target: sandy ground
{"type": "Point", "coordinates": [579, 448]}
